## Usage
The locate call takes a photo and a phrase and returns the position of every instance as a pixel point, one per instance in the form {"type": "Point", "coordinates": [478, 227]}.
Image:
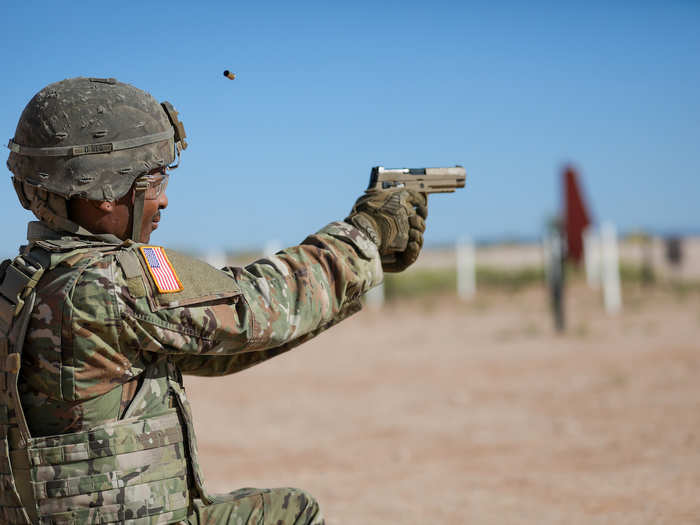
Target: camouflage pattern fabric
{"type": "Point", "coordinates": [103, 358]}
{"type": "Point", "coordinates": [258, 507]}
{"type": "Point", "coordinates": [99, 322]}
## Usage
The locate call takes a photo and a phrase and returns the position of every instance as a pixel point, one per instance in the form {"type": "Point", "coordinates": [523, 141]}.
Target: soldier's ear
{"type": "Point", "coordinates": [87, 208]}
{"type": "Point", "coordinates": [110, 206]}
{"type": "Point", "coordinates": [103, 206]}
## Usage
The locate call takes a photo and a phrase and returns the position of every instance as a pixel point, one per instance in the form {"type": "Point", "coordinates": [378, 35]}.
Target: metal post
{"type": "Point", "coordinates": [553, 245]}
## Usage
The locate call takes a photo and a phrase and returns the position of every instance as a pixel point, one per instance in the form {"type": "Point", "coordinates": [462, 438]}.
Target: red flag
{"type": "Point", "coordinates": [575, 215]}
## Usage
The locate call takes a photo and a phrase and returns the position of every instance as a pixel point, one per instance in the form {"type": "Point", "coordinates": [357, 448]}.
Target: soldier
{"type": "Point", "coordinates": [97, 326]}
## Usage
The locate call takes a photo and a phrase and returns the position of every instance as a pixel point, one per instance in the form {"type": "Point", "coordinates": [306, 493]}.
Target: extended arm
{"type": "Point", "coordinates": [282, 298]}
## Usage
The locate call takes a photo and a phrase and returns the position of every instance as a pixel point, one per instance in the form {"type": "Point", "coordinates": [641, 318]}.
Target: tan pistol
{"type": "Point", "coordinates": [426, 180]}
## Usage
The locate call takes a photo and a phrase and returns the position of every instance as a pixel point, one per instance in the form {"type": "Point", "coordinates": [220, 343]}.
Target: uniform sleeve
{"type": "Point", "coordinates": [280, 302]}
{"type": "Point", "coordinates": [219, 365]}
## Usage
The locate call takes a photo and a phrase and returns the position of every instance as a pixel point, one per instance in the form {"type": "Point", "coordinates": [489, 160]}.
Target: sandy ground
{"type": "Point", "coordinates": [441, 412]}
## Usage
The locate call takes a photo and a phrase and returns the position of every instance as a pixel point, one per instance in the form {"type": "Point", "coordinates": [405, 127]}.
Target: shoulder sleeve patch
{"type": "Point", "coordinates": [199, 282]}
{"type": "Point", "coordinates": [162, 272]}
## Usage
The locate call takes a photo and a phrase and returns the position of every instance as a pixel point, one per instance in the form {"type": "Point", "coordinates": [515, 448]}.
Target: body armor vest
{"type": "Point", "coordinates": [135, 470]}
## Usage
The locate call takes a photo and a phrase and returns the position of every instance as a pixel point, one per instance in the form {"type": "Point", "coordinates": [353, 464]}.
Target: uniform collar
{"type": "Point", "coordinates": [39, 231]}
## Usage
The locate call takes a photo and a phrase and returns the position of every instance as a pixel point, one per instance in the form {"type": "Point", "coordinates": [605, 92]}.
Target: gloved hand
{"type": "Point", "coordinates": [395, 221]}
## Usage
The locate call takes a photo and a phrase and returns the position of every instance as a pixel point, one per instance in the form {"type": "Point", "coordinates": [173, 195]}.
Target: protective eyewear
{"type": "Point", "coordinates": [157, 182]}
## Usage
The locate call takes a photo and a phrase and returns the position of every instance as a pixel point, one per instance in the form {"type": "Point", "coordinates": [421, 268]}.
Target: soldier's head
{"type": "Point", "coordinates": [96, 152]}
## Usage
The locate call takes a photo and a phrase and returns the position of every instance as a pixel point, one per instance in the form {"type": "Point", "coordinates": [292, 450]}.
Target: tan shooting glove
{"type": "Point", "coordinates": [395, 221]}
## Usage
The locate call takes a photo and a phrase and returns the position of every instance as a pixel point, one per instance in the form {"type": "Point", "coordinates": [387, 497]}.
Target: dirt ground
{"type": "Point", "coordinates": [442, 412]}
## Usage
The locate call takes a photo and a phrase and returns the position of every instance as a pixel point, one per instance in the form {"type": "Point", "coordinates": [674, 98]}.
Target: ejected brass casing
{"type": "Point", "coordinates": [229, 75]}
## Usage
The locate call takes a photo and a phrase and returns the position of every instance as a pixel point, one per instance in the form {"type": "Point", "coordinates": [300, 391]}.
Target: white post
{"type": "Point", "coordinates": [271, 247]}
{"type": "Point", "coordinates": [466, 269]}
{"type": "Point", "coordinates": [375, 297]}
{"type": "Point", "coordinates": [215, 258]}
{"type": "Point", "coordinates": [612, 294]}
{"type": "Point", "coordinates": [592, 257]}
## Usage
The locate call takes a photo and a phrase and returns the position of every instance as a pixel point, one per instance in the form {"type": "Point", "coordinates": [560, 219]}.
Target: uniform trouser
{"type": "Point", "coordinates": [258, 507]}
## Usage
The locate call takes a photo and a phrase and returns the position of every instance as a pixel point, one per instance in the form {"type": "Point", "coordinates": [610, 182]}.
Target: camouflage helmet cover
{"type": "Point", "coordinates": [92, 138]}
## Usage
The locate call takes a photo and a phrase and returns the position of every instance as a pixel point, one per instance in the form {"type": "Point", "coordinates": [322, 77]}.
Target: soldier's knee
{"type": "Point", "coordinates": [292, 506]}
{"type": "Point", "coordinates": [310, 510]}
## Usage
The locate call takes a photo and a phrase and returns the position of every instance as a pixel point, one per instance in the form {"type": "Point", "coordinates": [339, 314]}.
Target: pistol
{"type": "Point", "coordinates": [426, 180]}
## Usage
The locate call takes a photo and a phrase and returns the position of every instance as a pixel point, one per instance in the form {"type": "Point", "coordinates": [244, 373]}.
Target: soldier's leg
{"type": "Point", "coordinates": [284, 506]}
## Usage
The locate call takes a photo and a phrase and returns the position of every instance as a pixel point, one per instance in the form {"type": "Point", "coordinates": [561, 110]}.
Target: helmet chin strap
{"type": "Point", "coordinates": [140, 187]}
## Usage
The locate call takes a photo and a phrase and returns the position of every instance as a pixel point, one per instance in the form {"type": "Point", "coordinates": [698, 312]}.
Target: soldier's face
{"type": "Point", "coordinates": [115, 217]}
{"type": "Point", "coordinates": [151, 215]}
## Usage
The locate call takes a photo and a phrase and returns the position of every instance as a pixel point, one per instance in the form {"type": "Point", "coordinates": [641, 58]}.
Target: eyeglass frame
{"type": "Point", "coordinates": [157, 180]}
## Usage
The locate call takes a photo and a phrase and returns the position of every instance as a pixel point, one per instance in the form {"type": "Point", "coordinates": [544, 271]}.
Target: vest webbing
{"type": "Point", "coordinates": [17, 281]}
{"type": "Point", "coordinates": [133, 471]}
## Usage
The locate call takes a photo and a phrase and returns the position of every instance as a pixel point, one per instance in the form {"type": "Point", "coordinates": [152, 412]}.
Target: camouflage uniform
{"type": "Point", "coordinates": [95, 334]}
{"type": "Point", "coordinates": [101, 372]}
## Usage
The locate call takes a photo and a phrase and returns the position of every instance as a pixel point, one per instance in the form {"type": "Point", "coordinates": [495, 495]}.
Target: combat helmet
{"type": "Point", "coordinates": [92, 138]}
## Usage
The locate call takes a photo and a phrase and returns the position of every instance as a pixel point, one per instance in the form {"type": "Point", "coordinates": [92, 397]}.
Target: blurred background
{"type": "Point", "coordinates": [324, 92]}
{"type": "Point", "coordinates": [499, 379]}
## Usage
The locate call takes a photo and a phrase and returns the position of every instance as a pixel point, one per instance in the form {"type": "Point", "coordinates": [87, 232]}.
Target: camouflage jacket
{"type": "Point", "coordinates": [100, 320]}
{"type": "Point", "coordinates": [103, 432]}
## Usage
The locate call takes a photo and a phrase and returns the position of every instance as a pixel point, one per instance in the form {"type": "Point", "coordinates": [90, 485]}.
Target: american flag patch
{"type": "Point", "coordinates": [161, 270]}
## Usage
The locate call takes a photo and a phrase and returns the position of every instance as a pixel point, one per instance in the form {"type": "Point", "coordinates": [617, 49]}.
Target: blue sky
{"type": "Point", "coordinates": [325, 91]}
